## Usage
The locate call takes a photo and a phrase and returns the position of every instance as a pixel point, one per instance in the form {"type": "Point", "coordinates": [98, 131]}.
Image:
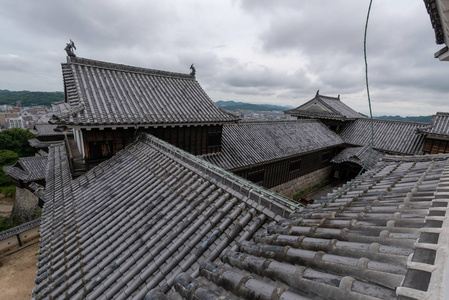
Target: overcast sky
{"type": "Point", "coordinates": [258, 51]}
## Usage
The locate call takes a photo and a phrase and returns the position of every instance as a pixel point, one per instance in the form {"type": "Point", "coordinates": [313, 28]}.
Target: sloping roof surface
{"type": "Point", "coordinates": [101, 93]}
{"type": "Point", "coordinates": [136, 221]}
{"type": "Point", "coordinates": [358, 155]}
{"type": "Point", "coordinates": [439, 125]}
{"type": "Point", "coordinates": [334, 109]}
{"type": "Point", "coordinates": [249, 143]}
{"type": "Point", "coordinates": [435, 19]}
{"type": "Point", "coordinates": [44, 130]}
{"type": "Point", "coordinates": [386, 237]}
{"type": "Point", "coordinates": [28, 168]}
{"type": "Point", "coordinates": [389, 136]}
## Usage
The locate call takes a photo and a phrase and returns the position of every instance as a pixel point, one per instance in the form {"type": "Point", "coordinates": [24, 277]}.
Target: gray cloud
{"type": "Point", "coordinates": [248, 50]}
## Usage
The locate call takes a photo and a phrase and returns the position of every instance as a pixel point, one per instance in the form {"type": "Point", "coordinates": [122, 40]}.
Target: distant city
{"type": "Point", "coordinates": [24, 109]}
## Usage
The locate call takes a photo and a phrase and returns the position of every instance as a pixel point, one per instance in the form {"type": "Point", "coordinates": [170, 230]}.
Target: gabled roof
{"type": "Point", "coordinates": [358, 155]}
{"type": "Point", "coordinates": [394, 137]}
{"type": "Point", "coordinates": [35, 143]}
{"type": "Point", "coordinates": [438, 11]}
{"type": "Point", "coordinates": [325, 107]}
{"type": "Point", "coordinates": [383, 238]}
{"type": "Point", "coordinates": [136, 221]}
{"type": "Point", "coordinates": [439, 125]}
{"type": "Point", "coordinates": [28, 168]}
{"type": "Point", "coordinates": [250, 143]}
{"type": "Point", "coordinates": [107, 94]}
{"type": "Point", "coordinates": [432, 10]}
{"type": "Point", "coordinates": [42, 129]}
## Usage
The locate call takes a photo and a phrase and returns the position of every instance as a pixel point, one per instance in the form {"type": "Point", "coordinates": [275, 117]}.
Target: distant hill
{"type": "Point", "coordinates": [30, 98]}
{"type": "Point", "coordinates": [419, 119]}
{"type": "Point", "coordinates": [232, 105]}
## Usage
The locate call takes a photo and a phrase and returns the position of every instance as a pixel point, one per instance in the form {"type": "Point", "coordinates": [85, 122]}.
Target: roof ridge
{"type": "Point", "coordinates": [277, 204]}
{"type": "Point", "coordinates": [246, 122]}
{"type": "Point", "coordinates": [329, 97]}
{"type": "Point", "coordinates": [123, 67]}
{"type": "Point", "coordinates": [393, 121]}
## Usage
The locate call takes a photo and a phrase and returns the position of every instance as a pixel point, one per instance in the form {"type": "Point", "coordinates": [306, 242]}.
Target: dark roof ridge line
{"type": "Point", "coordinates": [329, 97]}
{"type": "Point", "coordinates": [245, 122]}
{"type": "Point", "coordinates": [126, 68]}
{"type": "Point", "coordinates": [228, 179]}
{"type": "Point", "coordinates": [393, 121]}
{"type": "Point", "coordinates": [412, 158]}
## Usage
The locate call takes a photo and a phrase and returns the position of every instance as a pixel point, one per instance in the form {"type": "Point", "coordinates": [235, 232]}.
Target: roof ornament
{"type": "Point", "coordinates": [338, 97]}
{"type": "Point", "coordinates": [69, 49]}
{"type": "Point", "coordinates": [193, 71]}
{"type": "Point", "coordinates": [317, 93]}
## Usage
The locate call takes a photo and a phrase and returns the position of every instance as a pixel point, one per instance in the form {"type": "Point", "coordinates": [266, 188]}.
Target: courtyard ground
{"type": "Point", "coordinates": [18, 271]}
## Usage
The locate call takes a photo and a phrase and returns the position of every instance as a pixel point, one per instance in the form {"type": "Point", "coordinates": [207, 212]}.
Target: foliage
{"type": "Point", "coordinates": [232, 105]}
{"type": "Point", "coordinates": [419, 119]}
{"type": "Point", "coordinates": [30, 98]}
{"type": "Point", "coordinates": [7, 158]}
{"type": "Point", "coordinates": [4, 224]}
{"type": "Point", "coordinates": [16, 139]}
{"type": "Point", "coordinates": [8, 191]}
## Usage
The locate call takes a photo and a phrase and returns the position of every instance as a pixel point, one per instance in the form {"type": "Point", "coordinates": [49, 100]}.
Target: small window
{"type": "Point", "coordinates": [214, 139]}
{"type": "Point", "coordinates": [326, 156]}
{"type": "Point", "coordinates": [256, 177]}
{"type": "Point", "coordinates": [295, 165]}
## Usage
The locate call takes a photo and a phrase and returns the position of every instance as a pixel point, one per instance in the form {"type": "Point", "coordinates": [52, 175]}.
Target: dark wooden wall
{"type": "Point", "coordinates": [282, 171]}
{"type": "Point", "coordinates": [50, 138]}
{"type": "Point", "coordinates": [103, 144]}
{"type": "Point", "coordinates": [194, 139]}
{"type": "Point", "coordinates": [115, 140]}
{"type": "Point", "coordinates": [434, 146]}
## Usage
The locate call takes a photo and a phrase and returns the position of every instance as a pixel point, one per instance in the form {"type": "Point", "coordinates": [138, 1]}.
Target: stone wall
{"type": "Point", "coordinates": [297, 185]}
{"type": "Point", "coordinates": [25, 206]}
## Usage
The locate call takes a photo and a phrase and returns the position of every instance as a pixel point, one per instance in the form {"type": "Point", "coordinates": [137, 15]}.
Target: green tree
{"type": "Point", "coordinates": [16, 139]}
{"type": "Point", "coordinates": [7, 158]}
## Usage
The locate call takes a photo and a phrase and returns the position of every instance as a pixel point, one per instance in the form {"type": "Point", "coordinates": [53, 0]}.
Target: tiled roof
{"type": "Point", "coordinates": [386, 237]}
{"type": "Point", "coordinates": [439, 125]}
{"type": "Point", "coordinates": [435, 19]}
{"type": "Point", "coordinates": [389, 136]}
{"type": "Point", "coordinates": [19, 229]}
{"type": "Point", "coordinates": [250, 143]}
{"type": "Point", "coordinates": [45, 130]}
{"type": "Point", "coordinates": [101, 93]}
{"type": "Point", "coordinates": [325, 107]}
{"type": "Point", "coordinates": [359, 156]}
{"type": "Point", "coordinates": [35, 143]}
{"type": "Point", "coordinates": [136, 221]}
{"type": "Point", "coordinates": [28, 168]}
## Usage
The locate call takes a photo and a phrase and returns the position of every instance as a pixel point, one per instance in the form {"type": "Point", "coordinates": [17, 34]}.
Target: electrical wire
{"type": "Point", "coordinates": [342, 190]}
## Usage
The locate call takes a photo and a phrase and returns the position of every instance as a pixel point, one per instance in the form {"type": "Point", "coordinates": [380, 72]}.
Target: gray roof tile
{"type": "Point", "coordinates": [250, 143]}
{"type": "Point", "coordinates": [19, 229]}
{"type": "Point", "coordinates": [42, 129]}
{"type": "Point", "coordinates": [325, 107]}
{"type": "Point", "coordinates": [358, 155]}
{"type": "Point", "coordinates": [360, 245]}
{"type": "Point", "coordinates": [439, 125]}
{"type": "Point", "coordinates": [100, 93]}
{"type": "Point", "coordinates": [135, 222]}
{"type": "Point", "coordinates": [28, 169]}
{"type": "Point", "coordinates": [389, 136]}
